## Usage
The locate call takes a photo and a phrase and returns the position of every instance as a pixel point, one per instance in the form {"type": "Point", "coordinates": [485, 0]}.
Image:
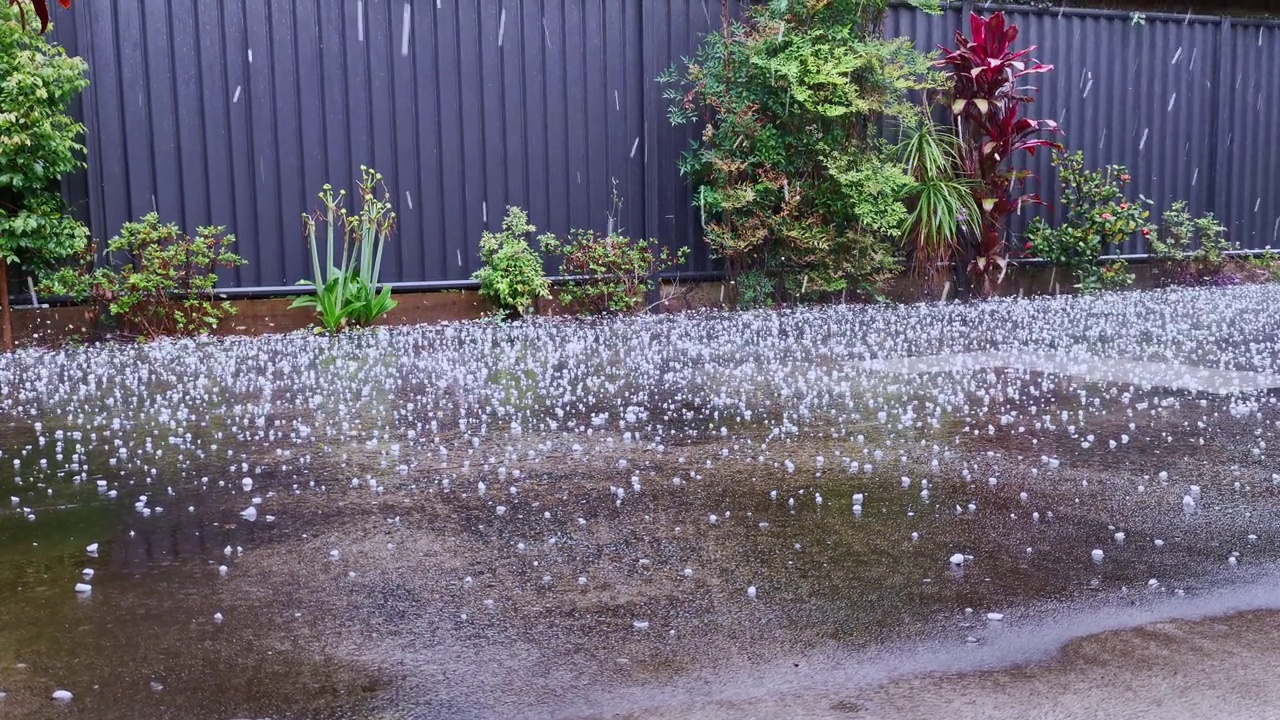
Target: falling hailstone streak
{"type": "Point", "coordinates": [236, 97]}
{"type": "Point", "coordinates": [1194, 176]}
{"type": "Point", "coordinates": [406, 27]}
{"type": "Point", "coordinates": [408, 199]}
{"type": "Point", "coordinates": [1176, 55]}
{"type": "Point", "coordinates": [502, 25]}
{"type": "Point", "coordinates": [1172, 98]}
{"type": "Point", "coordinates": [1143, 142]}
{"type": "Point", "coordinates": [1087, 87]}
{"type": "Point", "coordinates": [360, 20]}
{"type": "Point", "coordinates": [635, 146]}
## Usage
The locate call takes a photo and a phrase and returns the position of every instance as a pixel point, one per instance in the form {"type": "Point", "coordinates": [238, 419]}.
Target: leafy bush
{"type": "Point", "coordinates": [788, 172]}
{"type": "Point", "coordinates": [38, 145]}
{"type": "Point", "coordinates": [511, 278]}
{"type": "Point", "coordinates": [987, 100]}
{"type": "Point", "coordinates": [754, 289]}
{"type": "Point", "coordinates": [1264, 267]}
{"type": "Point", "coordinates": [1190, 249]}
{"type": "Point", "coordinates": [165, 286]}
{"type": "Point", "coordinates": [1098, 217]}
{"type": "Point", "coordinates": [347, 293]}
{"type": "Point", "coordinates": [941, 203]}
{"type": "Point", "coordinates": [612, 272]}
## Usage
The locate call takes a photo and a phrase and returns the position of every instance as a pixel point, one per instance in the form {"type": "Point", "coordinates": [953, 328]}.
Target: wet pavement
{"type": "Point", "coordinates": [752, 515]}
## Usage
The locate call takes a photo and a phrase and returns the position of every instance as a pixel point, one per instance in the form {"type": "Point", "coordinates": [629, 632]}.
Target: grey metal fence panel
{"type": "Point", "coordinates": [1129, 94]}
{"type": "Point", "coordinates": [1249, 198]}
{"type": "Point", "coordinates": [236, 112]}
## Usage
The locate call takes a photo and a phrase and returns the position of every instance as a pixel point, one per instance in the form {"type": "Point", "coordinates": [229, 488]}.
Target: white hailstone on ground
{"type": "Point", "coordinates": [247, 484]}
{"type": "Point", "coordinates": [222, 571]}
{"type": "Point", "coordinates": [88, 573]}
{"type": "Point", "coordinates": [1188, 504]}
{"type": "Point", "coordinates": [817, 498]}
{"type": "Point", "coordinates": [1194, 491]}
{"type": "Point", "coordinates": [83, 588]}
{"type": "Point", "coordinates": [217, 618]}
{"type": "Point", "coordinates": [501, 510]}
{"type": "Point", "coordinates": [688, 572]}
{"type": "Point", "coordinates": [857, 498]}
{"type": "Point", "coordinates": [751, 592]}
{"type": "Point", "coordinates": [1119, 537]}
{"type": "Point", "coordinates": [1159, 542]}
{"type": "Point", "coordinates": [957, 559]}
{"type": "Point", "coordinates": [61, 695]}
{"type": "Point", "coordinates": [994, 616]}
{"type": "Point", "coordinates": [1097, 555]}
{"type": "Point", "coordinates": [250, 513]}
{"type": "Point", "coordinates": [334, 555]}
{"type": "Point", "coordinates": [92, 549]}
{"type": "Point", "coordinates": [713, 519]}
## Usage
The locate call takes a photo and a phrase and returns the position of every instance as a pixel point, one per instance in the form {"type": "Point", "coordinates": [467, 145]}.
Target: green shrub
{"type": "Point", "coordinates": [788, 171]}
{"type": "Point", "coordinates": [754, 289]}
{"type": "Point", "coordinates": [1098, 217]}
{"type": "Point", "coordinates": [38, 145]}
{"type": "Point", "coordinates": [347, 293]}
{"type": "Point", "coordinates": [511, 278]}
{"type": "Point", "coordinates": [1265, 266]}
{"type": "Point", "coordinates": [1190, 249]}
{"type": "Point", "coordinates": [613, 271]}
{"type": "Point", "coordinates": [165, 285]}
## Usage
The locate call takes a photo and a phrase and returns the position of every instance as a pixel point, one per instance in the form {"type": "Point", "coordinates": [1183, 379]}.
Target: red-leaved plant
{"type": "Point", "coordinates": [987, 102]}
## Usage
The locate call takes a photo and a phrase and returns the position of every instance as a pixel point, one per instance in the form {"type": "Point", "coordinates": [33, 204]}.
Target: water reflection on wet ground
{"type": "Point", "coordinates": [728, 516]}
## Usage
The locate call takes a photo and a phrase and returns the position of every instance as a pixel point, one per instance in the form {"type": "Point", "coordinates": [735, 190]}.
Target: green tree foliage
{"type": "Point", "coordinates": [788, 172]}
{"type": "Point", "coordinates": [38, 145]}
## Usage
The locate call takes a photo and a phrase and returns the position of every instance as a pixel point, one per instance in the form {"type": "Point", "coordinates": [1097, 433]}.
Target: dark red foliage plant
{"type": "Point", "coordinates": [41, 8]}
{"type": "Point", "coordinates": [987, 103]}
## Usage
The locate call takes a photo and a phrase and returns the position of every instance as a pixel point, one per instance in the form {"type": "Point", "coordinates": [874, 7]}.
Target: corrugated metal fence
{"type": "Point", "coordinates": [236, 112]}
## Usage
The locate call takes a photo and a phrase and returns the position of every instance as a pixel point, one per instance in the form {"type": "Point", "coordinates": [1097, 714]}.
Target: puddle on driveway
{"type": "Point", "coordinates": [473, 522]}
